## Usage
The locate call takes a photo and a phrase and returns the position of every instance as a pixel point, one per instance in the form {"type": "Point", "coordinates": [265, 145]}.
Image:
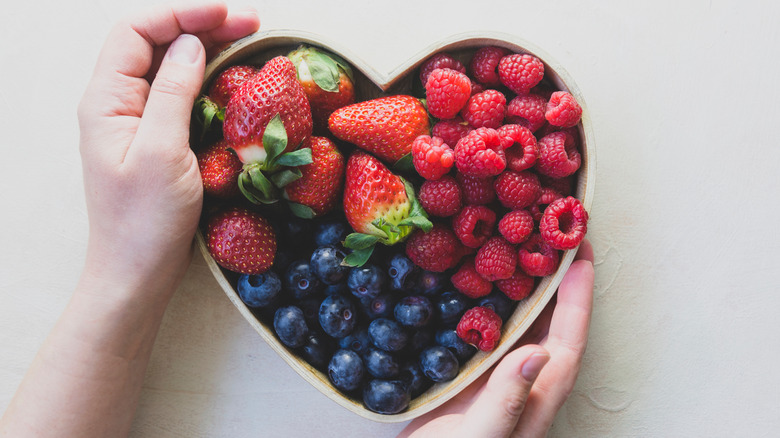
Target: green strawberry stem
{"type": "Point", "coordinates": [302, 211]}
{"type": "Point", "coordinates": [205, 111]}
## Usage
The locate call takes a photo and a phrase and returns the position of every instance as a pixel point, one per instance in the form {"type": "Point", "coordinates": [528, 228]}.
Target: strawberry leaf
{"type": "Point", "coordinates": [324, 71]}
{"type": "Point", "coordinates": [302, 211]}
{"type": "Point", "coordinates": [205, 111]}
{"type": "Point", "coordinates": [421, 222]}
{"type": "Point", "coordinates": [274, 139]}
{"type": "Point", "coordinates": [404, 165]}
{"type": "Point", "coordinates": [281, 179]}
{"type": "Point", "coordinates": [358, 257]}
{"type": "Point", "coordinates": [256, 187]}
{"type": "Point", "coordinates": [360, 241]}
{"type": "Point", "coordinates": [295, 158]}
{"type": "Point", "coordinates": [418, 217]}
{"type": "Point", "coordinates": [343, 65]}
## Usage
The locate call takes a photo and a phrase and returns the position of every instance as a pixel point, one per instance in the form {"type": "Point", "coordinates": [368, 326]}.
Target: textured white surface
{"type": "Point", "coordinates": [684, 100]}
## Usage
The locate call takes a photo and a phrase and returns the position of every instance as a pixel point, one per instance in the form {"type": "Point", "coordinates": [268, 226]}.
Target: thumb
{"type": "Point", "coordinates": [499, 405]}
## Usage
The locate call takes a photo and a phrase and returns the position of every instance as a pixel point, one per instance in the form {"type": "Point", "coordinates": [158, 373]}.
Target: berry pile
{"type": "Point", "coordinates": [386, 241]}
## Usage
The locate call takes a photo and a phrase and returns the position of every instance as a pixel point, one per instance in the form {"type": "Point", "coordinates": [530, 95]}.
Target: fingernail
{"type": "Point", "coordinates": [533, 366]}
{"type": "Point", "coordinates": [185, 49]}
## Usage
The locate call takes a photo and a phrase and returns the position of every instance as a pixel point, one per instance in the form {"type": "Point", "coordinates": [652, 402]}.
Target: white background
{"type": "Point", "coordinates": [684, 102]}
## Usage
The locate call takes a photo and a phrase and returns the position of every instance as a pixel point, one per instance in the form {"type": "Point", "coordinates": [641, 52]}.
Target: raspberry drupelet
{"type": "Point", "coordinates": [480, 326]}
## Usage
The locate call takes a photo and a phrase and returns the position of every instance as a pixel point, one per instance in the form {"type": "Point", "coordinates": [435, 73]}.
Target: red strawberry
{"type": "Point", "coordinates": [319, 187]}
{"type": "Point", "coordinates": [212, 105]}
{"type": "Point", "coordinates": [379, 205]}
{"type": "Point", "coordinates": [327, 81]}
{"type": "Point", "coordinates": [385, 127]}
{"type": "Point", "coordinates": [241, 241]}
{"type": "Point", "coordinates": [219, 170]}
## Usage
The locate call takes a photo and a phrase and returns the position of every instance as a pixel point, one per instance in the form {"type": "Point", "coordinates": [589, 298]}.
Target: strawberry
{"type": "Point", "coordinates": [273, 93]}
{"type": "Point", "coordinates": [386, 126]}
{"type": "Point", "coordinates": [379, 205]}
{"type": "Point", "coordinates": [212, 105]}
{"type": "Point", "coordinates": [219, 170]}
{"type": "Point", "coordinates": [241, 241]}
{"type": "Point", "coordinates": [319, 187]}
{"type": "Point", "coordinates": [327, 81]}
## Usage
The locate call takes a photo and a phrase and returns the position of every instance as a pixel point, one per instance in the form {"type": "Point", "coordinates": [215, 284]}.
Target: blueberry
{"type": "Point", "coordinates": [419, 341]}
{"type": "Point", "coordinates": [499, 303]}
{"type": "Point", "coordinates": [400, 271]}
{"type": "Point", "coordinates": [386, 396]}
{"type": "Point", "coordinates": [357, 341]}
{"type": "Point", "coordinates": [337, 315]}
{"type": "Point", "coordinates": [297, 229]}
{"type": "Point", "coordinates": [413, 311]}
{"type": "Point", "coordinates": [387, 334]}
{"type": "Point", "coordinates": [338, 288]}
{"type": "Point", "coordinates": [365, 281]}
{"type": "Point", "coordinates": [439, 364]}
{"type": "Point", "coordinates": [450, 339]}
{"type": "Point", "coordinates": [431, 283]}
{"type": "Point", "coordinates": [450, 306]}
{"type": "Point", "coordinates": [326, 263]}
{"type": "Point", "coordinates": [381, 364]}
{"type": "Point", "coordinates": [416, 382]}
{"type": "Point", "coordinates": [317, 350]}
{"type": "Point", "coordinates": [330, 233]}
{"type": "Point", "coordinates": [380, 307]}
{"type": "Point", "coordinates": [300, 281]}
{"type": "Point", "coordinates": [346, 370]}
{"type": "Point", "coordinates": [259, 290]}
{"type": "Point", "coordinates": [311, 310]}
{"type": "Point", "coordinates": [290, 326]}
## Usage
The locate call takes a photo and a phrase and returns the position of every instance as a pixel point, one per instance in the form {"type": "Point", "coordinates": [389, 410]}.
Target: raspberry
{"type": "Point", "coordinates": [436, 250]}
{"type": "Point", "coordinates": [441, 197]}
{"type": "Point", "coordinates": [537, 208]}
{"type": "Point", "coordinates": [527, 110]}
{"type": "Point", "coordinates": [468, 281]}
{"type": "Point", "coordinates": [476, 191]}
{"type": "Point", "coordinates": [519, 147]}
{"type": "Point", "coordinates": [520, 72]}
{"type": "Point", "coordinates": [564, 223]}
{"type": "Point", "coordinates": [446, 92]}
{"type": "Point", "coordinates": [432, 158]}
{"type": "Point", "coordinates": [517, 190]}
{"type": "Point", "coordinates": [439, 60]}
{"type": "Point", "coordinates": [480, 326]}
{"type": "Point", "coordinates": [479, 154]}
{"type": "Point", "coordinates": [563, 110]}
{"type": "Point", "coordinates": [486, 109]}
{"type": "Point", "coordinates": [536, 257]}
{"type": "Point", "coordinates": [496, 259]}
{"type": "Point", "coordinates": [219, 168]}
{"type": "Point", "coordinates": [564, 186]}
{"type": "Point", "coordinates": [477, 88]}
{"type": "Point", "coordinates": [484, 65]}
{"type": "Point", "coordinates": [474, 225]}
{"type": "Point", "coordinates": [451, 131]}
{"type": "Point", "coordinates": [558, 155]}
{"type": "Point", "coordinates": [516, 226]}
{"type": "Point", "coordinates": [516, 287]}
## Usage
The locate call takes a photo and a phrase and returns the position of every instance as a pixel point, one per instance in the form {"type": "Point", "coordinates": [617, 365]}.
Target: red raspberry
{"type": "Point", "coordinates": [536, 257]}
{"type": "Point", "coordinates": [549, 129]}
{"type": "Point", "coordinates": [496, 259]}
{"type": "Point", "coordinates": [519, 147]}
{"type": "Point", "coordinates": [446, 92]}
{"type": "Point", "coordinates": [441, 197]}
{"type": "Point", "coordinates": [563, 110]}
{"type": "Point", "coordinates": [537, 208]}
{"type": "Point", "coordinates": [486, 109]}
{"type": "Point", "coordinates": [474, 225]}
{"type": "Point", "coordinates": [477, 88]}
{"type": "Point", "coordinates": [480, 326]}
{"type": "Point", "coordinates": [484, 65]}
{"type": "Point", "coordinates": [476, 191]}
{"type": "Point", "coordinates": [516, 226]}
{"type": "Point", "coordinates": [564, 223]}
{"type": "Point", "coordinates": [219, 169]}
{"type": "Point", "coordinates": [520, 72]}
{"type": "Point", "coordinates": [432, 158]}
{"type": "Point", "coordinates": [479, 154]}
{"type": "Point", "coordinates": [527, 110]}
{"type": "Point", "coordinates": [468, 281]}
{"type": "Point", "coordinates": [436, 250]}
{"type": "Point", "coordinates": [558, 155]}
{"type": "Point", "coordinates": [564, 186]}
{"type": "Point", "coordinates": [517, 190]}
{"type": "Point", "coordinates": [439, 60]}
{"type": "Point", "coordinates": [450, 131]}
{"type": "Point", "coordinates": [518, 286]}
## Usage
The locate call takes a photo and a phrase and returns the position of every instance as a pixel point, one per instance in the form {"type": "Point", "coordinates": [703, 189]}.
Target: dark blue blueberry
{"type": "Point", "coordinates": [297, 230]}
{"type": "Point", "coordinates": [413, 311]}
{"type": "Point", "coordinates": [259, 290]}
{"type": "Point", "coordinates": [317, 350]}
{"type": "Point", "coordinates": [338, 288]}
{"type": "Point", "coordinates": [346, 370]}
{"type": "Point", "coordinates": [400, 271]}
{"type": "Point", "coordinates": [450, 306]}
{"type": "Point", "coordinates": [499, 303]}
{"type": "Point", "coordinates": [450, 339]}
{"type": "Point", "coordinates": [380, 307]}
{"type": "Point", "coordinates": [431, 283]}
{"type": "Point", "coordinates": [290, 326]}
{"type": "Point", "coordinates": [366, 281]}
{"type": "Point", "coordinates": [330, 232]}
{"type": "Point", "coordinates": [300, 281]}
{"type": "Point", "coordinates": [419, 341]}
{"type": "Point", "coordinates": [357, 341]}
{"type": "Point", "coordinates": [381, 364]}
{"type": "Point", "coordinates": [386, 396]}
{"type": "Point", "coordinates": [311, 310]}
{"type": "Point", "coordinates": [413, 377]}
{"type": "Point", "coordinates": [337, 315]}
{"type": "Point", "coordinates": [387, 334]}
{"type": "Point", "coordinates": [439, 364]}
{"type": "Point", "coordinates": [326, 263]}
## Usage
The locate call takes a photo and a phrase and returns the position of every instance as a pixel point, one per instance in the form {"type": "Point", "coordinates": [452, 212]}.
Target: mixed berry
{"type": "Point", "coordinates": [386, 241]}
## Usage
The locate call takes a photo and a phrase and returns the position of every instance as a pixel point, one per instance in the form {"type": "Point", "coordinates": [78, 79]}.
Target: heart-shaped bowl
{"type": "Point", "coordinates": [369, 83]}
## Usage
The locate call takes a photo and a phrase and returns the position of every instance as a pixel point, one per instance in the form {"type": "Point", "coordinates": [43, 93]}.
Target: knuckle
{"type": "Point", "coordinates": [515, 403]}
{"type": "Point", "coordinates": [169, 86]}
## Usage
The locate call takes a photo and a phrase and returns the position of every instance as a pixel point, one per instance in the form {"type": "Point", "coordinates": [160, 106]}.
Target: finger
{"type": "Point", "coordinates": [498, 406]}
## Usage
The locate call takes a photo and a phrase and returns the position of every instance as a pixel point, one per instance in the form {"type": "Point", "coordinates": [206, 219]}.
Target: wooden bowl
{"type": "Point", "coordinates": [260, 47]}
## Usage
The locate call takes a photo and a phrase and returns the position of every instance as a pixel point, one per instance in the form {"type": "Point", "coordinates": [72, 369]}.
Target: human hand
{"type": "Point", "coordinates": [143, 186]}
{"type": "Point", "coordinates": [524, 392]}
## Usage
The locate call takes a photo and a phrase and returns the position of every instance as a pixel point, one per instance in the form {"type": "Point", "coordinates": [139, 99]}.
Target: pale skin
{"type": "Point", "coordinates": [144, 197]}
